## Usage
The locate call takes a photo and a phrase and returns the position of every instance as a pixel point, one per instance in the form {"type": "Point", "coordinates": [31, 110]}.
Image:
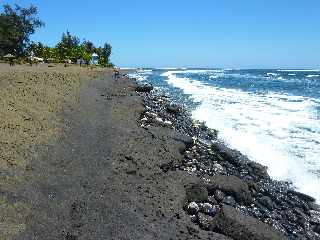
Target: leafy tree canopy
{"type": "Point", "coordinates": [106, 52]}
{"type": "Point", "coordinates": [16, 26]}
{"type": "Point", "coordinates": [89, 46]}
{"type": "Point", "coordinates": [66, 44]}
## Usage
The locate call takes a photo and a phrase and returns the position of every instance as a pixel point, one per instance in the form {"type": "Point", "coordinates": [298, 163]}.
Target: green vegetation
{"type": "Point", "coordinates": [17, 24]}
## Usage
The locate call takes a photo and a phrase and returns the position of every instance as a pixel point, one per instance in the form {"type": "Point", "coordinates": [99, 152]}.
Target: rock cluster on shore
{"type": "Point", "coordinates": [234, 196]}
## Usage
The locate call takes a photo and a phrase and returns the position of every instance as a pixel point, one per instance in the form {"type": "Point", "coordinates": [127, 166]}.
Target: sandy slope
{"type": "Point", "coordinates": [97, 175]}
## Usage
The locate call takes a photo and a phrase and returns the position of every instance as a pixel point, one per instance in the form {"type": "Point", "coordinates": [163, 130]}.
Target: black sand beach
{"type": "Point", "coordinates": [130, 165]}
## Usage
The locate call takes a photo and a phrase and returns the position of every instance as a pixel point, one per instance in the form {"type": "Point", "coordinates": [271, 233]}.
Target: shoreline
{"type": "Point", "coordinates": [129, 159]}
{"type": "Point", "coordinates": [231, 177]}
{"type": "Point", "coordinates": [261, 139]}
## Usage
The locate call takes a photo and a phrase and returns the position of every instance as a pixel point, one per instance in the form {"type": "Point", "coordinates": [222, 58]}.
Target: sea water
{"type": "Point", "coordinates": [272, 116]}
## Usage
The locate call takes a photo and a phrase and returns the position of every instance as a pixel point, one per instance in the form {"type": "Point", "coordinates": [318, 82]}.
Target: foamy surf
{"type": "Point", "coordinates": [278, 130]}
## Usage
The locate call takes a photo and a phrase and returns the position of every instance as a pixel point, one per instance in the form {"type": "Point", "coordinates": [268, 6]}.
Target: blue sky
{"type": "Point", "coordinates": [189, 33]}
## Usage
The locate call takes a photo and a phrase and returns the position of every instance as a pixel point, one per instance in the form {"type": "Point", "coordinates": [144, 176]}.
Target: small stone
{"type": "Point", "coordinates": [203, 126]}
{"type": "Point", "coordinates": [193, 208]}
{"type": "Point", "coordinates": [159, 120]}
{"type": "Point", "coordinates": [212, 200]}
{"type": "Point", "coordinates": [144, 88]}
{"type": "Point", "coordinates": [219, 195]}
{"type": "Point", "coordinates": [314, 217]}
{"type": "Point", "coordinates": [191, 169]}
{"type": "Point", "coordinates": [301, 221]}
{"type": "Point", "coordinates": [229, 201]}
{"type": "Point", "coordinates": [316, 229]}
{"type": "Point", "coordinates": [195, 123]}
{"type": "Point", "coordinates": [217, 168]}
{"type": "Point", "coordinates": [173, 109]}
{"type": "Point", "coordinates": [204, 142]}
{"type": "Point", "coordinates": [194, 218]}
{"type": "Point", "coordinates": [205, 221]}
{"type": "Point", "coordinates": [151, 115]}
{"type": "Point", "coordinates": [167, 123]}
{"type": "Point", "coordinates": [291, 216]}
{"type": "Point", "coordinates": [208, 209]}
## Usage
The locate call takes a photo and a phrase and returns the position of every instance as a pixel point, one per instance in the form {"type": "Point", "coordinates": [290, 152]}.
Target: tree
{"type": "Point", "coordinates": [89, 47]}
{"type": "Point", "coordinates": [79, 52]}
{"type": "Point", "coordinates": [36, 49]}
{"type": "Point", "coordinates": [67, 43]}
{"type": "Point", "coordinates": [16, 26]}
{"type": "Point", "coordinates": [106, 52]}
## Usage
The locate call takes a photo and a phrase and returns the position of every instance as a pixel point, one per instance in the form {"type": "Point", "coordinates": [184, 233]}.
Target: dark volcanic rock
{"type": "Point", "coordinates": [239, 180]}
{"type": "Point", "coordinates": [144, 88]}
{"type": "Point", "coordinates": [208, 209]}
{"type": "Point", "coordinates": [194, 218]}
{"type": "Point", "coordinates": [258, 169]}
{"type": "Point", "coordinates": [205, 221]}
{"type": "Point", "coordinates": [314, 217]}
{"type": "Point", "coordinates": [212, 200]}
{"type": "Point", "coordinates": [267, 202]}
{"type": "Point", "coordinates": [231, 185]}
{"type": "Point", "coordinates": [302, 196]}
{"type": "Point", "coordinates": [165, 167]}
{"type": "Point", "coordinates": [229, 201]}
{"type": "Point", "coordinates": [193, 208]}
{"type": "Point", "coordinates": [316, 229]}
{"type": "Point", "coordinates": [232, 223]}
{"type": "Point", "coordinates": [196, 193]}
{"type": "Point", "coordinates": [314, 206]}
{"type": "Point", "coordinates": [185, 139]}
{"type": "Point", "coordinates": [227, 154]}
{"type": "Point", "coordinates": [174, 109]}
{"type": "Point", "coordinates": [218, 195]}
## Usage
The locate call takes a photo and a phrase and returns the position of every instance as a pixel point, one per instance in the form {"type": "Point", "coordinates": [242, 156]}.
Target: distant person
{"type": "Point", "coordinates": [11, 62]}
{"type": "Point", "coordinates": [116, 73]}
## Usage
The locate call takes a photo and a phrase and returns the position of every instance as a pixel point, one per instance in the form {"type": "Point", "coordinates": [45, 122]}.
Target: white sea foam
{"type": "Point", "coordinates": [201, 71]}
{"type": "Point", "coordinates": [145, 71]}
{"type": "Point", "coordinates": [298, 70]}
{"type": "Point", "coordinates": [272, 74]}
{"type": "Point", "coordinates": [312, 75]}
{"type": "Point", "coordinates": [172, 68]}
{"type": "Point", "coordinates": [141, 75]}
{"type": "Point", "coordinates": [276, 130]}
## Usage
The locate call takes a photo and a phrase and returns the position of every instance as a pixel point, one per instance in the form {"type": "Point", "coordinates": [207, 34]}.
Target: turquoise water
{"type": "Point", "coordinates": [272, 116]}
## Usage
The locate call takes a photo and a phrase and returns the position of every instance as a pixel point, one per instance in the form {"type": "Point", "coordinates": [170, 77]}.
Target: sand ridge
{"type": "Point", "coordinates": [31, 99]}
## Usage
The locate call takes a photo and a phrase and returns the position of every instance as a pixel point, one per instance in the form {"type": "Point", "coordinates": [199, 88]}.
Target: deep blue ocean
{"type": "Point", "coordinates": [272, 116]}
